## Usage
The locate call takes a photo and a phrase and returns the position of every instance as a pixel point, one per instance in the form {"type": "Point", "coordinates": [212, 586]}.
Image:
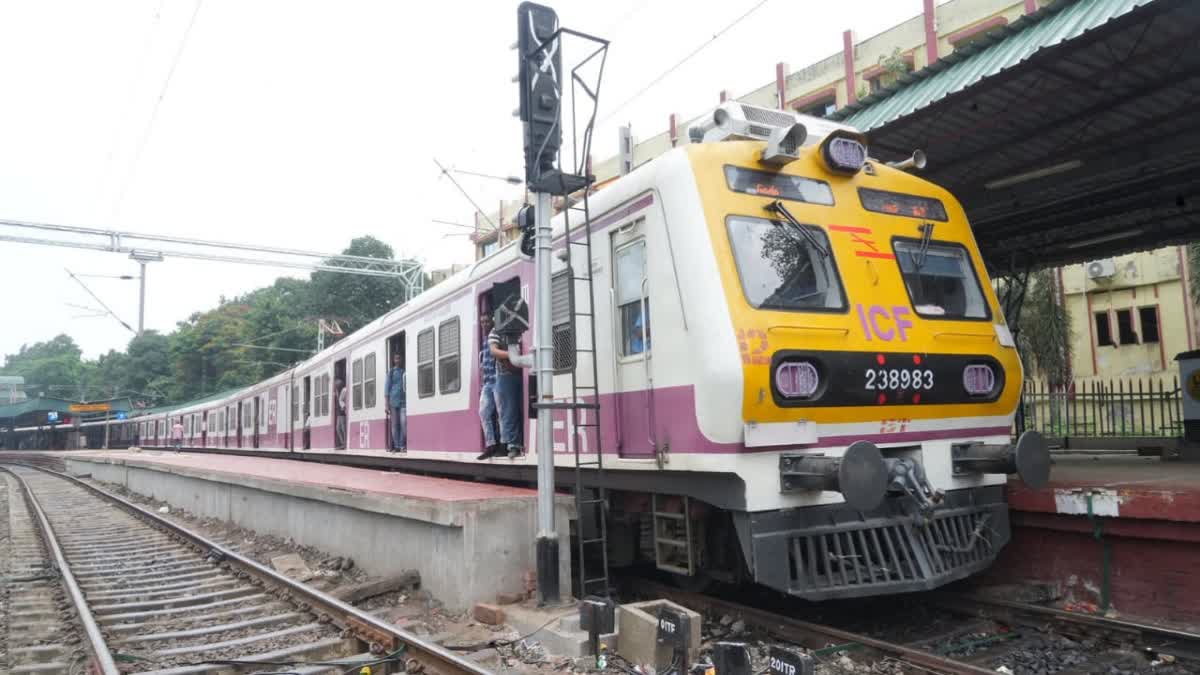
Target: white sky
{"type": "Point", "coordinates": [304, 124]}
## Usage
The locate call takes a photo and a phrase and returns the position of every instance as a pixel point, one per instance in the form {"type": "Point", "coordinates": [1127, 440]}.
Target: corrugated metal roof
{"type": "Point", "coordinates": [1003, 49]}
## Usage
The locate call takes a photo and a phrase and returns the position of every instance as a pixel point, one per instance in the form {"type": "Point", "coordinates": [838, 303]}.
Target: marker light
{"type": "Point", "coordinates": [797, 379]}
{"type": "Point", "coordinates": [979, 379]}
{"type": "Point", "coordinates": [844, 151]}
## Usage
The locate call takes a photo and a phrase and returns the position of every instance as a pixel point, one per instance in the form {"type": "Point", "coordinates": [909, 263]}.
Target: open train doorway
{"type": "Point", "coordinates": [240, 413]}
{"type": "Point", "coordinates": [508, 394]}
{"type": "Point", "coordinates": [340, 402]}
{"type": "Point", "coordinates": [395, 347]}
{"type": "Point", "coordinates": [306, 426]}
{"type": "Point", "coordinates": [254, 430]}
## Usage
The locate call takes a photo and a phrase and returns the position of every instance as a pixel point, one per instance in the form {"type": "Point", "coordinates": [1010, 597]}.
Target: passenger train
{"type": "Point", "coordinates": [805, 379]}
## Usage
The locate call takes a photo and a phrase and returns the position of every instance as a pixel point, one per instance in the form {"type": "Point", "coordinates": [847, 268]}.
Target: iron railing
{"type": "Point", "coordinates": [1116, 408]}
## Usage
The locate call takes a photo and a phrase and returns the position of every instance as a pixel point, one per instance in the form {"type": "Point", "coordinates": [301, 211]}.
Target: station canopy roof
{"type": "Point", "coordinates": [1069, 135]}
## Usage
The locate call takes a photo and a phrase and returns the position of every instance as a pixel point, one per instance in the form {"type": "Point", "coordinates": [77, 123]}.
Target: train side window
{"type": "Point", "coordinates": [356, 391]}
{"type": "Point", "coordinates": [425, 363]}
{"type": "Point", "coordinates": [564, 326]}
{"type": "Point", "coordinates": [369, 380]}
{"type": "Point", "coordinates": [633, 310]}
{"type": "Point", "coordinates": [449, 348]}
{"type": "Point", "coordinates": [325, 394]}
{"type": "Point", "coordinates": [295, 403]}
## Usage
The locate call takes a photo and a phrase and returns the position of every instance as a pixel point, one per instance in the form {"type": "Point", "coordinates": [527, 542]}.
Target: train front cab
{"type": "Point", "coordinates": [877, 367]}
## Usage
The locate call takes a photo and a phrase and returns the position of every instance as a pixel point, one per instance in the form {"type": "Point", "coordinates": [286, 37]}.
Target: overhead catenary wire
{"type": "Point", "coordinates": [666, 73]}
{"type": "Point", "coordinates": [162, 94]}
{"type": "Point", "coordinates": [97, 299]}
{"type": "Point", "coordinates": [446, 173]}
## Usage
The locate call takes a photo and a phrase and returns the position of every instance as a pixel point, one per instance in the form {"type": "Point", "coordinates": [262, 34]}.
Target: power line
{"type": "Point", "coordinates": [187, 33]}
{"type": "Point", "coordinates": [97, 299]}
{"type": "Point", "coordinates": [682, 61]}
{"type": "Point", "coordinates": [464, 193]}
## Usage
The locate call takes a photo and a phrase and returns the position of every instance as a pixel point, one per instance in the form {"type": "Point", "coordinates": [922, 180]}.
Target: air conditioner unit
{"type": "Point", "coordinates": [1101, 269]}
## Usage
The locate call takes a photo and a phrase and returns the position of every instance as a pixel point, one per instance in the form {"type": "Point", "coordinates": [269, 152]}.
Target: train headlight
{"type": "Point", "coordinates": [797, 379]}
{"type": "Point", "coordinates": [979, 379]}
{"type": "Point", "coordinates": [844, 151]}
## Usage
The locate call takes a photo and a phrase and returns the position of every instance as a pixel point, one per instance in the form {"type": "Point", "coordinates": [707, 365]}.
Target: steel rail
{"type": "Point", "coordinates": [795, 630]}
{"type": "Point", "coordinates": [1176, 642]}
{"type": "Point", "coordinates": [101, 655]}
{"type": "Point", "coordinates": [383, 638]}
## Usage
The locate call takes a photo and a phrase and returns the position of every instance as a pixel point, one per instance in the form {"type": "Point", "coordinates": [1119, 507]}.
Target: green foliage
{"type": "Point", "coordinates": [1044, 331]}
{"type": "Point", "coordinates": [1193, 261]}
{"type": "Point", "coordinates": [240, 341]}
{"type": "Point", "coordinates": [894, 66]}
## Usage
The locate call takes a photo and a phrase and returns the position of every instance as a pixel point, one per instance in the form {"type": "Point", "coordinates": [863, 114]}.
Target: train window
{"type": "Point", "coordinates": [560, 316]}
{"type": "Point", "coordinates": [632, 307]}
{"type": "Point", "coordinates": [783, 269]}
{"type": "Point", "coordinates": [899, 204]}
{"type": "Point", "coordinates": [783, 186]}
{"type": "Point", "coordinates": [356, 387]}
{"type": "Point", "coordinates": [941, 281]}
{"type": "Point", "coordinates": [369, 380]}
{"type": "Point", "coordinates": [449, 346]}
{"type": "Point", "coordinates": [295, 403]}
{"type": "Point", "coordinates": [425, 363]}
{"type": "Point", "coordinates": [325, 394]}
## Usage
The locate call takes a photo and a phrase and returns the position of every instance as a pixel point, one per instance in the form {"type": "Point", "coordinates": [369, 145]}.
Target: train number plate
{"type": "Point", "coordinates": [898, 379]}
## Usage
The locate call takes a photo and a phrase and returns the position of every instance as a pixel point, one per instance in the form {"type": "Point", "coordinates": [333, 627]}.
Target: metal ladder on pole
{"type": "Point", "coordinates": [583, 408]}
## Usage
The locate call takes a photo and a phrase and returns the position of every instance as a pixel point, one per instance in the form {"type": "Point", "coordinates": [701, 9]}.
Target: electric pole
{"type": "Point", "coordinates": [143, 257]}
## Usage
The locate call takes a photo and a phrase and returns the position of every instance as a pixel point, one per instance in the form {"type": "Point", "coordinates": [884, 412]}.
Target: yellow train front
{"type": "Point", "coordinates": [877, 376]}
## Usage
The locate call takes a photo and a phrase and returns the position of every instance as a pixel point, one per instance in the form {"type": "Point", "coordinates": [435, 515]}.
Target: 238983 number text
{"type": "Point", "coordinates": [889, 379]}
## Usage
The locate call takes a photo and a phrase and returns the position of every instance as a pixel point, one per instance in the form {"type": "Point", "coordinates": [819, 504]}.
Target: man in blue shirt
{"type": "Point", "coordinates": [396, 408]}
{"type": "Point", "coordinates": [487, 393]}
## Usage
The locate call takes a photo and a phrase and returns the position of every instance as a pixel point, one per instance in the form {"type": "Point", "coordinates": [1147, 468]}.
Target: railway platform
{"type": "Point", "coordinates": [470, 540]}
{"type": "Point", "coordinates": [1110, 534]}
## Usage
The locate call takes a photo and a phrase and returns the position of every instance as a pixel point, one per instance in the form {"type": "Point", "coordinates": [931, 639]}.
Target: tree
{"type": "Point", "coordinates": [1044, 335]}
{"type": "Point", "coordinates": [51, 368]}
{"type": "Point", "coordinates": [354, 299]}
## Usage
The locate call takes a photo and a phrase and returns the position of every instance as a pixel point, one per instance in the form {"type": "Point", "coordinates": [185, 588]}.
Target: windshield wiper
{"type": "Point", "coordinates": [918, 258]}
{"type": "Point", "coordinates": [777, 207]}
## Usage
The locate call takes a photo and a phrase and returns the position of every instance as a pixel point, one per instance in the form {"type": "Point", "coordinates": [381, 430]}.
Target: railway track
{"type": "Point", "coordinates": [985, 633]}
{"type": "Point", "coordinates": [107, 585]}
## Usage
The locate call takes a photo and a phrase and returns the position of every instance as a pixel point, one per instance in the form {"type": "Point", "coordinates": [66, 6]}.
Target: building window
{"type": "Point", "coordinates": [560, 317]}
{"type": "Point", "coordinates": [633, 309]}
{"type": "Point", "coordinates": [489, 247]}
{"type": "Point", "coordinates": [1103, 330]}
{"type": "Point", "coordinates": [818, 109]}
{"type": "Point", "coordinates": [1148, 318]}
{"type": "Point", "coordinates": [425, 363]}
{"type": "Point", "coordinates": [1125, 327]}
{"type": "Point", "coordinates": [356, 375]}
{"type": "Point", "coordinates": [369, 380]}
{"type": "Point", "coordinates": [449, 346]}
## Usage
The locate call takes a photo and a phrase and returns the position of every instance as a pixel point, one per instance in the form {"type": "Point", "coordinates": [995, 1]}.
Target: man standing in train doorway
{"type": "Point", "coordinates": [487, 392]}
{"type": "Point", "coordinates": [340, 429]}
{"type": "Point", "coordinates": [396, 407]}
{"type": "Point", "coordinates": [508, 395]}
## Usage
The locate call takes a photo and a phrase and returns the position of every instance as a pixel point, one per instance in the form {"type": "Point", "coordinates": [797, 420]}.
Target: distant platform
{"type": "Point", "coordinates": [1121, 529]}
{"type": "Point", "coordinates": [469, 540]}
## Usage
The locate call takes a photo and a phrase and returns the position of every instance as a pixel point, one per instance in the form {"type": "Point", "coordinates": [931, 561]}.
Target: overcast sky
{"type": "Point", "coordinates": [304, 124]}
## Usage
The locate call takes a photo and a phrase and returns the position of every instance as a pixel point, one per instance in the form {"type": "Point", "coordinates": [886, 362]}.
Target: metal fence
{"type": "Point", "coordinates": [1123, 408]}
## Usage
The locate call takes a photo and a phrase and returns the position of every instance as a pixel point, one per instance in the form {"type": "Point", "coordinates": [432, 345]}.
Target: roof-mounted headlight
{"type": "Point", "coordinates": [844, 151]}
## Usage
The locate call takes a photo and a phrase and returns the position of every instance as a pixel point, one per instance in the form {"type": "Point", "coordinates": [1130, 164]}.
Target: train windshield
{"type": "Point", "coordinates": [782, 268]}
{"type": "Point", "coordinates": [941, 281]}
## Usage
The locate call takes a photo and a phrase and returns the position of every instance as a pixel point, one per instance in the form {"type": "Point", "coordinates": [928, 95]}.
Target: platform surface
{"type": "Point", "coordinates": [314, 474]}
{"type": "Point", "coordinates": [1122, 486]}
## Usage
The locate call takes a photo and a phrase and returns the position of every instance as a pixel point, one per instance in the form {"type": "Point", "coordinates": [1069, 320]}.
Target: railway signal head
{"type": "Point", "coordinates": [539, 59]}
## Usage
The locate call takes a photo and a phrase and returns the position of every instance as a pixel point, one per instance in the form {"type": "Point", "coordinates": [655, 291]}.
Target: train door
{"type": "Point", "coordinates": [306, 433]}
{"type": "Point", "coordinates": [254, 429]}
{"type": "Point", "coordinates": [340, 404]}
{"type": "Point", "coordinates": [500, 294]}
{"type": "Point", "coordinates": [395, 345]}
{"type": "Point", "coordinates": [631, 344]}
{"type": "Point", "coordinates": [241, 412]}
{"type": "Point", "coordinates": [204, 429]}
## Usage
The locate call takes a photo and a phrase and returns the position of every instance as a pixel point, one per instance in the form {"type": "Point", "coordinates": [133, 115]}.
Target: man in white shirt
{"type": "Point", "coordinates": [341, 414]}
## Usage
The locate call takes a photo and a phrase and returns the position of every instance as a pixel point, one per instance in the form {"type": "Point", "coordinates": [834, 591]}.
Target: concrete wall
{"type": "Point", "coordinates": [466, 552]}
